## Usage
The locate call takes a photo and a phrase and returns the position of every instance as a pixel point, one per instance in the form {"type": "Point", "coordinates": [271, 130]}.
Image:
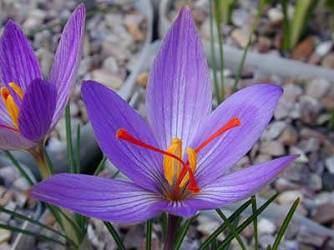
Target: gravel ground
{"type": "Point", "coordinates": [301, 124]}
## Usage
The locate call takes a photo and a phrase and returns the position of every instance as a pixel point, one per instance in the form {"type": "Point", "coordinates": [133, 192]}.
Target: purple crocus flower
{"type": "Point", "coordinates": [180, 160]}
{"type": "Point", "coordinates": [30, 106]}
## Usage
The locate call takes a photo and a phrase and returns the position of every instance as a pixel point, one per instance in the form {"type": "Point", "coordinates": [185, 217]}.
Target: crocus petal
{"type": "Point", "coordinates": [64, 69]}
{"type": "Point", "coordinates": [13, 140]}
{"type": "Point", "coordinates": [179, 90]}
{"type": "Point", "coordinates": [184, 208]}
{"type": "Point", "coordinates": [18, 62]}
{"type": "Point", "coordinates": [240, 184]}
{"type": "Point", "coordinates": [102, 198]}
{"type": "Point", "coordinates": [4, 117]}
{"type": "Point", "coordinates": [37, 109]}
{"type": "Point", "coordinates": [254, 107]}
{"type": "Point", "coordinates": [108, 113]}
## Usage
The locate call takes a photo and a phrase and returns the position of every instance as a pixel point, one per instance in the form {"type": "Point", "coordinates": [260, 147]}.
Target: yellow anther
{"type": "Point", "coordinates": [17, 89]}
{"type": "Point", "coordinates": [11, 106]}
{"type": "Point", "coordinates": [172, 167]}
{"type": "Point", "coordinates": [192, 159]}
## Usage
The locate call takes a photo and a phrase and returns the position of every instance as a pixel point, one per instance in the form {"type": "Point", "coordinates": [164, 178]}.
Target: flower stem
{"type": "Point", "coordinates": [171, 232]}
{"type": "Point", "coordinates": [42, 163]}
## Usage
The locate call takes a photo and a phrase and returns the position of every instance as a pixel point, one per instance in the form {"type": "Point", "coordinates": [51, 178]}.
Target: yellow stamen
{"type": "Point", "coordinates": [172, 167]}
{"type": "Point", "coordinates": [11, 106]}
{"type": "Point", "coordinates": [192, 159]}
{"type": "Point", "coordinates": [17, 89]}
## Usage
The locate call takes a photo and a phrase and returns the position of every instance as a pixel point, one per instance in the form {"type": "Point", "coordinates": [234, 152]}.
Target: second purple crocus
{"type": "Point", "coordinates": [180, 161]}
{"type": "Point", "coordinates": [30, 105]}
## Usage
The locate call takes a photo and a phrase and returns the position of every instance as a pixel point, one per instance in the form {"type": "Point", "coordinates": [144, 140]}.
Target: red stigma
{"type": "Point", "coordinates": [192, 186]}
{"type": "Point", "coordinates": [234, 122]}
{"type": "Point", "coordinates": [126, 136]}
{"type": "Point", "coordinates": [123, 134]}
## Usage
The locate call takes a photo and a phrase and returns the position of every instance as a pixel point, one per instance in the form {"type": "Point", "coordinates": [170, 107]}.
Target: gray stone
{"type": "Point", "coordinates": [134, 239]}
{"type": "Point", "coordinates": [323, 197]}
{"type": "Point", "coordinates": [302, 158]}
{"type": "Point", "coordinates": [46, 59]}
{"type": "Point", "coordinates": [282, 184]}
{"type": "Point", "coordinates": [61, 127]}
{"type": "Point", "coordinates": [240, 17]}
{"type": "Point", "coordinates": [262, 158]}
{"type": "Point", "coordinates": [309, 145]}
{"type": "Point", "coordinates": [283, 109]}
{"type": "Point", "coordinates": [55, 145]}
{"type": "Point", "coordinates": [4, 235]}
{"type": "Point", "coordinates": [289, 136]}
{"type": "Point", "coordinates": [324, 213]}
{"type": "Point", "coordinates": [21, 184]}
{"type": "Point", "coordinates": [310, 109]}
{"type": "Point", "coordinates": [110, 64]}
{"type": "Point", "coordinates": [314, 182]}
{"type": "Point", "coordinates": [317, 88]}
{"type": "Point", "coordinates": [35, 19]}
{"type": "Point", "coordinates": [274, 130]}
{"type": "Point", "coordinates": [328, 61]}
{"type": "Point", "coordinates": [328, 181]}
{"type": "Point", "coordinates": [329, 163]}
{"type": "Point", "coordinates": [132, 23]}
{"type": "Point", "coordinates": [9, 174]}
{"type": "Point", "coordinates": [311, 238]}
{"type": "Point", "coordinates": [241, 37]}
{"type": "Point", "coordinates": [208, 225]}
{"type": "Point", "coordinates": [266, 240]}
{"type": "Point", "coordinates": [292, 92]}
{"type": "Point", "coordinates": [107, 78]}
{"type": "Point", "coordinates": [263, 44]}
{"type": "Point", "coordinates": [273, 148]}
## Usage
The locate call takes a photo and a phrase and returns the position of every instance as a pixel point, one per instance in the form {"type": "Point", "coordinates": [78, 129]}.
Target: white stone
{"type": "Point", "coordinates": [275, 15]}
{"type": "Point", "coordinates": [317, 88]}
{"type": "Point", "coordinates": [323, 48]}
{"type": "Point", "coordinates": [274, 130]}
{"type": "Point", "coordinates": [107, 78]}
{"type": "Point", "coordinates": [289, 197]}
{"type": "Point", "coordinates": [266, 226]}
{"type": "Point", "coordinates": [273, 148]}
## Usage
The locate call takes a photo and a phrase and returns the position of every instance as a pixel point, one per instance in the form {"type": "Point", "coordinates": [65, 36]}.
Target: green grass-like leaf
{"type": "Point", "coordinates": [100, 167]}
{"type": "Point", "coordinates": [256, 237]}
{"type": "Point", "coordinates": [234, 224]}
{"type": "Point", "coordinates": [231, 227]}
{"type": "Point", "coordinates": [31, 233]}
{"type": "Point", "coordinates": [261, 5]}
{"type": "Point", "coordinates": [66, 222]}
{"type": "Point", "coordinates": [115, 235]}
{"type": "Point", "coordinates": [212, 47]}
{"type": "Point", "coordinates": [19, 168]}
{"type": "Point", "coordinates": [182, 232]}
{"type": "Point", "coordinates": [77, 148]}
{"type": "Point", "coordinates": [222, 227]}
{"type": "Point", "coordinates": [69, 142]}
{"type": "Point", "coordinates": [223, 10]}
{"type": "Point", "coordinates": [299, 20]}
{"type": "Point", "coordinates": [148, 234]}
{"type": "Point", "coordinates": [48, 160]}
{"type": "Point", "coordinates": [36, 222]}
{"type": "Point", "coordinates": [285, 224]}
{"type": "Point", "coordinates": [249, 220]}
